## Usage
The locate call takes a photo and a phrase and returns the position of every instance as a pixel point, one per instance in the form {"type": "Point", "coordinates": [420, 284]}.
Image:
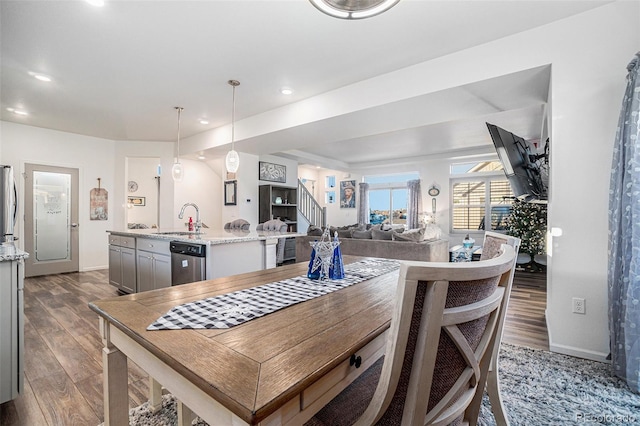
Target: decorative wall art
{"type": "Point", "coordinates": [98, 203]}
{"type": "Point", "coordinates": [138, 201]}
{"type": "Point", "coordinates": [348, 194]}
{"type": "Point", "coordinates": [272, 172]}
{"type": "Point", "coordinates": [230, 189]}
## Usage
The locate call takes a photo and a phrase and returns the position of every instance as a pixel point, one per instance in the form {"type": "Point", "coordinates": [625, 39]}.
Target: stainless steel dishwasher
{"type": "Point", "coordinates": [188, 262]}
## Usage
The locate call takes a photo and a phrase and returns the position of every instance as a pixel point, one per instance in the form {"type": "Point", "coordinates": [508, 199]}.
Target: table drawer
{"type": "Point", "coordinates": [153, 245]}
{"type": "Point", "coordinates": [335, 381]}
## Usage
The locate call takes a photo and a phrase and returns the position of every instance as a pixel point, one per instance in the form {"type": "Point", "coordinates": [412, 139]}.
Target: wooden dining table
{"type": "Point", "coordinates": [280, 368]}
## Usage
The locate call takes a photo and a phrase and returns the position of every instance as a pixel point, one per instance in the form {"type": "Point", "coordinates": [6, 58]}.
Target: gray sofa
{"type": "Point", "coordinates": [432, 250]}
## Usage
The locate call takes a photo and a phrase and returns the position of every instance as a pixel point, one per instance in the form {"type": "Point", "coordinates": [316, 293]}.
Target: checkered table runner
{"type": "Point", "coordinates": [228, 310]}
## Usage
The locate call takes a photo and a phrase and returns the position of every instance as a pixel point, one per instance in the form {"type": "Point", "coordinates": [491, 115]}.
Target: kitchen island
{"type": "Point", "coordinates": [140, 259]}
{"type": "Point", "coordinates": [11, 321]}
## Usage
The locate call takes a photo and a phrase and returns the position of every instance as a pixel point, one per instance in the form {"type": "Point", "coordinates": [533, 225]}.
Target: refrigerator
{"type": "Point", "coordinates": [11, 293]}
{"type": "Point", "coordinates": [8, 204]}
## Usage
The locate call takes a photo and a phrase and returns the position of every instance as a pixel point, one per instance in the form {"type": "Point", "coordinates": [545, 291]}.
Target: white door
{"type": "Point", "coordinates": [50, 220]}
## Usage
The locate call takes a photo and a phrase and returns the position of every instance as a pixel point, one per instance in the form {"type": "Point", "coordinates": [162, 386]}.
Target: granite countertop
{"type": "Point", "coordinates": [207, 236]}
{"type": "Point", "coordinates": [11, 252]}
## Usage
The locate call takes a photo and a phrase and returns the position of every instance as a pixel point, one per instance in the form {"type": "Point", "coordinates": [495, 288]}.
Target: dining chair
{"type": "Point", "coordinates": [237, 224]}
{"type": "Point", "coordinates": [441, 340]}
{"type": "Point", "coordinates": [490, 249]}
{"type": "Point", "coordinates": [275, 225]}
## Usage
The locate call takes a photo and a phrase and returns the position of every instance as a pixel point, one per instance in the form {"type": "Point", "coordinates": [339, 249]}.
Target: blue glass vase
{"type": "Point", "coordinates": [311, 274]}
{"type": "Point", "coordinates": [336, 271]}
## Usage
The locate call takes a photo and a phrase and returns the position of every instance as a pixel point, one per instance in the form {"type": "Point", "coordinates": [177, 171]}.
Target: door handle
{"type": "Point", "coordinates": [74, 225]}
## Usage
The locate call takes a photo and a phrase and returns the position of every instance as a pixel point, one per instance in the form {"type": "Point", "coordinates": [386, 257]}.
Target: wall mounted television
{"type": "Point", "coordinates": [526, 171]}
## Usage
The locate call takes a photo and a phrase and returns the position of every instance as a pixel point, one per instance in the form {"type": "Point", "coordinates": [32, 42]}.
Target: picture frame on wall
{"type": "Point", "coordinates": [272, 172]}
{"type": "Point", "coordinates": [138, 201]}
{"type": "Point", "coordinates": [348, 194]}
{"type": "Point", "coordinates": [230, 192]}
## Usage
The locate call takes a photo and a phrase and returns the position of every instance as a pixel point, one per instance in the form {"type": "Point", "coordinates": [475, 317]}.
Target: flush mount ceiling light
{"type": "Point", "coordinates": [203, 121]}
{"type": "Point", "coordinates": [177, 172]}
{"type": "Point", "coordinates": [353, 9]}
{"type": "Point", "coordinates": [17, 111]}
{"type": "Point", "coordinates": [286, 90]}
{"type": "Point", "coordinates": [232, 161]}
{"type": "Point", "coordinates": [41, 77]}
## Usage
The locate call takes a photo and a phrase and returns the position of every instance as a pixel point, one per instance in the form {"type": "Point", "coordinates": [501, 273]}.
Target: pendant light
{"type": "Point", "coordinates": [353, 9]}
{"type": "Point", "coordinates": [177, 172]}
{"type": "Point", "coordinates": [232, 161]}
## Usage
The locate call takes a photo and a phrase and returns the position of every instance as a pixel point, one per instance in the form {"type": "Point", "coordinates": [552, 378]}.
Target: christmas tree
{"type": "Point", "coordinates": [528, 221]}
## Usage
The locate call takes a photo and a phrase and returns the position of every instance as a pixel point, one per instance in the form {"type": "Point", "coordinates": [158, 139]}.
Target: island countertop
{"type": "Point", "coordinates": [208, 236]}
{"type": "Point", "coordinates": [11, 252]}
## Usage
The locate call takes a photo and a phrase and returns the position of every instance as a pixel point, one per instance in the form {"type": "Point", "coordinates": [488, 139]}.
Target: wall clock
{"type": "Point", "coordinates": [133, 186]}
{"type": "Point", "coordinates": [433, 191]}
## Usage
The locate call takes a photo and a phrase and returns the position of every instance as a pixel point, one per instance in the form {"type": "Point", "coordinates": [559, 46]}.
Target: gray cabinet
{"type": "Point", "coordinates": [154, 264]}
{"type": "Point", "coordinates": [122, 263]}
{"type": "Point", "coordinates": [11, 329]}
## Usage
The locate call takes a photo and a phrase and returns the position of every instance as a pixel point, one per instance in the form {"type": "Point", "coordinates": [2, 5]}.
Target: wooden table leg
{"type": "Point", "coordinates": [185, 415]}
{"type": "Point", "coordinates": [114, 378]}
{"type": "Point", "coordinates": [155, 395]}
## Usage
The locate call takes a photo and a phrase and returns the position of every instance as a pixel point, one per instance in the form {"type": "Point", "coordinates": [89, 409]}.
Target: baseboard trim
{"type": "Point", "coordinates": [572, 350]}
{"type": "Point", "coordinates": [94, 268]}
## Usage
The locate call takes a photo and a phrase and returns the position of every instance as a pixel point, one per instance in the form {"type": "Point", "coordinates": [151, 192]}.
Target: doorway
{"type": "Point", "coordinates": [50, 220]}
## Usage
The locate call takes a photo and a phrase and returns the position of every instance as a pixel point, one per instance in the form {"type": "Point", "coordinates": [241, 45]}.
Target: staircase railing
{"type": "Point", "coordinates": [309, 207]}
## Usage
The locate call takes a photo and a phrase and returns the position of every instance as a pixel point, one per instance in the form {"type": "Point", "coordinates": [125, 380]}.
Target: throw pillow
{"type": "Point", "coordinates": [381, 235]}
{"type": "Point", "coordinates": [314, 231]}
{"type": "Point", "coordinates": [432, 232]}
{"type": "Point", "coordinates": [344, 233]}
{"type": "Point", "coordinates": [413, 235]}
{"type": "Point", "coordinates": [362, 235]}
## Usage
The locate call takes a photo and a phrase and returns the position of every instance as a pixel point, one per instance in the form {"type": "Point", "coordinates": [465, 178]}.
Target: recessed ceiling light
{"type": "Point", "coordinates": [41, 77]}
{"type": "Point", "coordinates": [203, 121]}
{"type": "Point", "coordinates": [201, 157]}
{"type": "Point", "coordinates": [286, 91]}
{"type": "Point", "coordinates": [97, 3]}
{"type": "Point", "coordinates": [17, 111]}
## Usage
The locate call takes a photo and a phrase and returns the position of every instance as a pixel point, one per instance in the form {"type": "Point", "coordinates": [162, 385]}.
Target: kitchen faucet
{"type": "Point", "coordinates": [198, 224]}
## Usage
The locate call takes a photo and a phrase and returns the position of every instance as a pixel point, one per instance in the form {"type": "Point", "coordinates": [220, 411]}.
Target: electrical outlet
{"type": "Point", "coordinates": [578, 305]}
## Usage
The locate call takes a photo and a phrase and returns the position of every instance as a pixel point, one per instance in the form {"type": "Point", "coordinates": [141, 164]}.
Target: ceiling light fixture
{"type": "Point", "coordinates": [177, 171]}
{"type": "Point", "coordinates": [353, 9]}
{"type": "Point", "coordinates": [97, 3]}
{"type": "Point", "coordinates": [286, 91]}
{"type": "Point", "coordinates": [41, 77]}
{"type": "Point", "coordinates": [203, 121]}
{"type": "Point", "coordinates": [232, 161]}
{"type": "Point", "coordinates": [17, 111]}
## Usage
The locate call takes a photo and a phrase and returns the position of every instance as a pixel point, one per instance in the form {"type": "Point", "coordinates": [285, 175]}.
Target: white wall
{"type": "Point", "coordinates": [201, 186]}
{"type": "Point", "coordinates": [143, 171]}
{"type": "Point", "coordinates": [588, 54]}
{"type": "Point", "coordinates": [93, 157]}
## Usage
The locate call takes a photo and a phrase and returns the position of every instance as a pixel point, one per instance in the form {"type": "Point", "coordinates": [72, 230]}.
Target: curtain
{"type": "Point", "coordinates": [414, 204]}
{"type": "Point", "coordinates": [624, 237]}
{"type": "Point", "coordinates": [363, 206]}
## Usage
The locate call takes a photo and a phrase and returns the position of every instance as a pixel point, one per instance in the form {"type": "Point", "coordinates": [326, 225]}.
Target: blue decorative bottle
{"type": "Point", "coordinates": [336, 272]}
{"type": "Point", "coordinates": [311, 274]}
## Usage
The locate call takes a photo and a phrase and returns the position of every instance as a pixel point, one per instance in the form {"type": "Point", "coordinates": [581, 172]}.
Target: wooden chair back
{"type": "Point", "coordinates": [490, 249]}
{"type": "Point", "coordinates": [442, 335]}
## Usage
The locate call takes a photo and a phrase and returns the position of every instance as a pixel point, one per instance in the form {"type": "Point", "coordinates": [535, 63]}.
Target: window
{"type": "Point", "coordinates": [481, 194]}
{"type": "Point", "coordinates": [388, 198]}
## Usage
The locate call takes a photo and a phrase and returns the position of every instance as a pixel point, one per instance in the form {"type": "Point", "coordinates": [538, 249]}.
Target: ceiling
{"type": "Point", "coordinates": [118, 72]}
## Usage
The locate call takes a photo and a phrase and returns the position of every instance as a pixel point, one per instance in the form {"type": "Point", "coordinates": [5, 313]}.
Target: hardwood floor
{"type": "Point", "coordinates": [63, 358]}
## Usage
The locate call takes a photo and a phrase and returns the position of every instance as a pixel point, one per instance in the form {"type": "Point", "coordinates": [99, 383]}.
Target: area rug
{"type": "Point", "coordinates": [538, 388]}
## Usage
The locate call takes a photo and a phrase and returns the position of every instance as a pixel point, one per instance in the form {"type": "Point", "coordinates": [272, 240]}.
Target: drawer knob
{"type": "Point", "coordinates": [355, 360]}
